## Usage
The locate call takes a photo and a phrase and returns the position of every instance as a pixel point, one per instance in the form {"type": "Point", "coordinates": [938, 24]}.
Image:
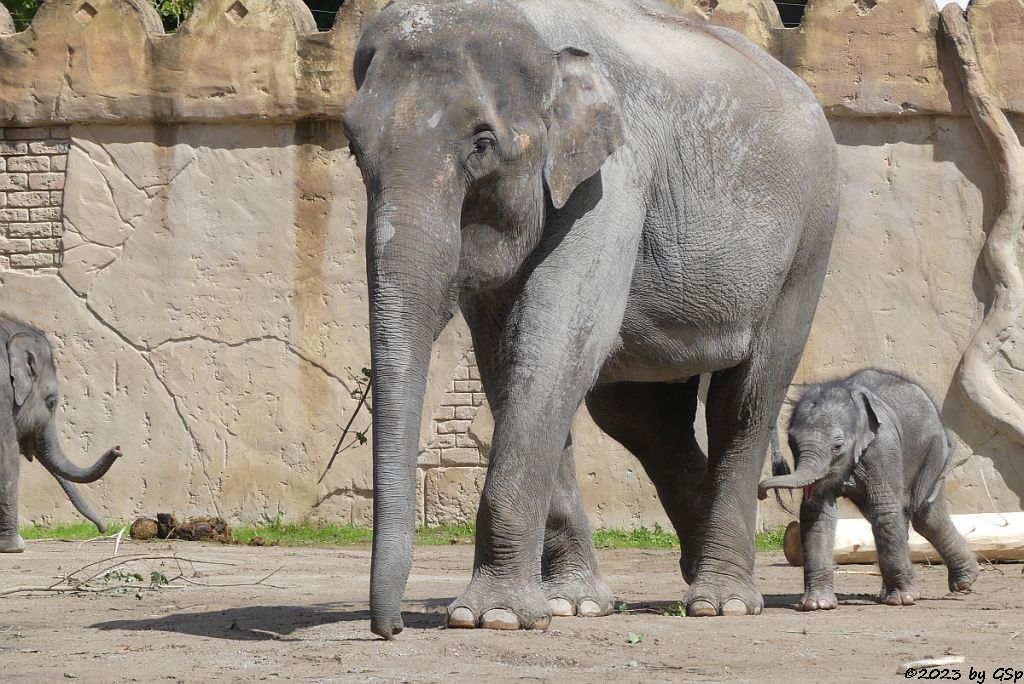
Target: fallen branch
{"type": "Point", "coordinates": [81, 581]}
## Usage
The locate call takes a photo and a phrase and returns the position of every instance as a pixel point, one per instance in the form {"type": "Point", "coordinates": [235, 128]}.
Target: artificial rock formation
{"type": "Point", "coordinates": [179, 212]}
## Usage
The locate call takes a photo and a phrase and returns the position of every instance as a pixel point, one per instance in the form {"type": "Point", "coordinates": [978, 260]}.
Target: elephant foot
{"type": "Point", "coordinates": [487, 606]}
{"type": "Point", "coordinates": [819, 600]}
{"type": "Point", "coordinates": [899, 596]}
{"type": "Point", "coordinates": [13, 544]}
{"type": "Point", "coordinates": [723, 596]}
{"type": "Point", "coordinates": [961, 579]}
{"type": "Point", "coordinates": [575, 596]}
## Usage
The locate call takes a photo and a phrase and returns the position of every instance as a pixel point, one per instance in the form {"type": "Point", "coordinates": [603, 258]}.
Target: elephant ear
{"type": "Point", "coordinates": [584, 126]}
{"type": "Point", "coordinates": [871, 407]}
{"type": "Point", "coordinates": [23, 358]}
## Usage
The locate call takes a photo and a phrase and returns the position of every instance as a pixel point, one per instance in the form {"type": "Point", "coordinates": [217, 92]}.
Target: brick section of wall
{"type": "Point", "coordinates": [32, 168]}
{"type": "Point", "coordinates": [452, 464]}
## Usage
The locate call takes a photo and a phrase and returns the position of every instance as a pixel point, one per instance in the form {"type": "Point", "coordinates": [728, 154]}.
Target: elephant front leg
{"type": "Point", "coordinates": [554, 340]}
{"type": "Point", "coordinates": [569, 572]}
{"type": "Point", "coordinates": [506, 591]}
{"type": "Point", "coordinates": [817, 537]}
{"type": "Point", "coordinates": [891, 532]}
{"type": "Point", "coordinates": [10, 465]}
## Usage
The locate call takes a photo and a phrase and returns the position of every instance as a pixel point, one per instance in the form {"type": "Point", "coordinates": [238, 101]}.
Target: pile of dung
{"type": "Point", "coordinates": [166, 526]}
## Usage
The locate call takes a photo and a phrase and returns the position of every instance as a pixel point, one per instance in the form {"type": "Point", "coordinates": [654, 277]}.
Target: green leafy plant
{"type": "Point", "coordinates": [122, 575]}
{"type": "Point", "coordinates": [172, 12]}
{"type": "Point", "coordinates": [634, 638]}
{"type": "Point", "coordinates": [675, 610]}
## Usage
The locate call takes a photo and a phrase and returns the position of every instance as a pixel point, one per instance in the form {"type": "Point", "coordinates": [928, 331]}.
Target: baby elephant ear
{"type": "Point", "coordinates": [584, 126]}
{"type": "Point", "coordinates": [24, 364]}
{"type": "Point", "coordinates": [871, 406]}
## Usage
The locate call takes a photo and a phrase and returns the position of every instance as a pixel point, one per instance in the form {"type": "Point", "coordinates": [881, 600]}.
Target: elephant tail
{"type": "Point", "coordinates": [779, 465]}
{"type": "Point", "coordinates": [779, 468]}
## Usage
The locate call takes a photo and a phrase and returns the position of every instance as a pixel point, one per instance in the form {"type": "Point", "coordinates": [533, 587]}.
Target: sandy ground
{"type": "Point", "coordinates": [313, 625]}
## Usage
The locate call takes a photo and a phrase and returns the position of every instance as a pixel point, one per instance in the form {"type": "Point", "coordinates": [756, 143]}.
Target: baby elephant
{"type": "Point", "coordinates": [877, 439]}
{"type": "Point", "coordinates": [28, 426]}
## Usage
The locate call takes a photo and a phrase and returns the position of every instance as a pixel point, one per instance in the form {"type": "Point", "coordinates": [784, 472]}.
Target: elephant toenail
{"type": "Point", "coordinates": [757, 609]}
{"type": "Point", "coordinates": [499, 618]}
{"type": "Point", "coordinates": [734, 606]}
{"type": "Point", "coordinates": [560, 607]}
{"type": "Point", "coordinates": [588, 608]}
{"type": "Point", "coordinates": [461, 618]}
{"type": "Point", "coordinates": [701, 608]}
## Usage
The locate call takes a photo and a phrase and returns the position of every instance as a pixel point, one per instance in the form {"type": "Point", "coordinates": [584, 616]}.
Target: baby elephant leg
{"type": "Point", "coordinates": [933, 523]}
{"type": "Point", "coordinates": [818, 533]}
{"type": "Point", "coordinates": [892, 540]}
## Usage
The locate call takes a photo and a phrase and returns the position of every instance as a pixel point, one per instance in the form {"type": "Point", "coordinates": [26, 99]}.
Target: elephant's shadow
{"type": "Point", "coordinates": [281, 623]}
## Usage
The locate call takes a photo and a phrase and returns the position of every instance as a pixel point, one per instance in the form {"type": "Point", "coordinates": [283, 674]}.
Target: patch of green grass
{"type": "Point", "coordinates": [463, 533]}
{"type": "Point", "coordinates": [76, 530]}
{"type": "Point", "coordinates": [771, 540]}
{"type": "Point", "coordinates": [304, 534]}
{"type": "Point", "coordinates": [640, 538]}
{"type": "Point", "coordinates": [310, 534]}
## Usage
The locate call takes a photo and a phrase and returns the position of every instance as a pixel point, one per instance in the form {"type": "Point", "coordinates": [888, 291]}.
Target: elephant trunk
{"type": "Point", "coordinates": [412, 255]}
{"type": "Point", "coordinates": [83, 507]}
{"type": "Point", "coordinates": [807, 473]}
{"type": "Point", "coordinates": [51, 455]}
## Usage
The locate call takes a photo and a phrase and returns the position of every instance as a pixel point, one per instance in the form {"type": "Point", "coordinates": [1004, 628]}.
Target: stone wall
{"type": "Point", "coordinates": [202, 279]}
{"type": "Point", "coordinates": [32, 165]}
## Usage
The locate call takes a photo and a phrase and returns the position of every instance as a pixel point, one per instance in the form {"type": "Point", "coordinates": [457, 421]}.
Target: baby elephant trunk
{"type": "Point", "coordinates": [805, 476]}
{"type": "Point", "coordinates": [51, 455]}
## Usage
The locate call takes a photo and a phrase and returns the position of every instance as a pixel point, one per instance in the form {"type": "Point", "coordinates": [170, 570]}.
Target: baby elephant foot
{"type": "Point", "coordinates": [585, 598]}
{"type": "Point", "coordinates": [823, 599]}
{"type": "Point", "coordinates": [899, 596]}
{"type": "Point", "coordinates": [721, 596]}
{"type": "Point", "coordinates": [13, 544]}
{"type": "Point", "coordinates": [488, 607]}
{"type": "Point", "coordinates": [961, 579]}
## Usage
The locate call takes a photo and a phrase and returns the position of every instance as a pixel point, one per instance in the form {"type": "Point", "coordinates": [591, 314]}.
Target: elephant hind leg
{"type": "Point", "coordinates": [742, 407]}
{"type": "Point", "coordinates": [655, 421]}
{"type": "Point", "coordinates": [569, 573]}
{"type": "Point", "coordinates": [932, 522]}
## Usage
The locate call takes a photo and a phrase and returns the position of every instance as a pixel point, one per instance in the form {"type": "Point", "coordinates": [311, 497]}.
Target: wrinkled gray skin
{"type": "Point", "coordinates": [28, 402]}
{"type": "Point", "coordinates": [877, 439]}
{"type": "Point", "coordinates": [619, 200]}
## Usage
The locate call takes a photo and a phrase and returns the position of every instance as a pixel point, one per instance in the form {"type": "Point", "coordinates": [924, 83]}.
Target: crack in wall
{"type": "Point", "coordinates": [261, 338]}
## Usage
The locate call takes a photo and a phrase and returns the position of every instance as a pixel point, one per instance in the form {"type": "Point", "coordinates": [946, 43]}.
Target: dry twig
{"type": "Point", "coordinates": [85, 578]}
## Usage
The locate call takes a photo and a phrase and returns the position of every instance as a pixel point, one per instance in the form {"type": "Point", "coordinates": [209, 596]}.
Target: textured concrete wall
{"type": "Point", "coordinates": [203, 282]}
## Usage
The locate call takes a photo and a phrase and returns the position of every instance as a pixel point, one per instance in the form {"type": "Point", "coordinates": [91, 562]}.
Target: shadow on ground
{"type": "Point", "coordinates": [269, 623]}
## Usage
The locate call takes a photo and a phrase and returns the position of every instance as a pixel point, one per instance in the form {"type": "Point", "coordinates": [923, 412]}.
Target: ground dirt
{"type": "Point", "coordinates": [313, 624]}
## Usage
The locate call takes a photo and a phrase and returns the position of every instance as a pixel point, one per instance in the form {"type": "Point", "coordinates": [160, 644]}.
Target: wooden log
{"type": "Point", "coordinates": [992, 536]}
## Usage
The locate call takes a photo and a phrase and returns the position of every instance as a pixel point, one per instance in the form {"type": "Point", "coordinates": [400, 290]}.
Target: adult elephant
{"type": "Point", "coordinates": [620, 200]}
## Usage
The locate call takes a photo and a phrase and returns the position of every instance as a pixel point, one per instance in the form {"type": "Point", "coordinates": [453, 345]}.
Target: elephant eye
{"type": "Point", "coordinates": [51, 401]}
{"type": "Point", "coordinates": [483, 142]}
{"type": "Point", "coordinates": [837, 448]}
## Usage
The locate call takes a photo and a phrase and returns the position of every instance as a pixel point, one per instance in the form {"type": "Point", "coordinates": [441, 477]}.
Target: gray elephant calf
{"type": "Point", "coordinates": [878, 440]}
{"type": "Point", "coordinates": [28, 401]}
